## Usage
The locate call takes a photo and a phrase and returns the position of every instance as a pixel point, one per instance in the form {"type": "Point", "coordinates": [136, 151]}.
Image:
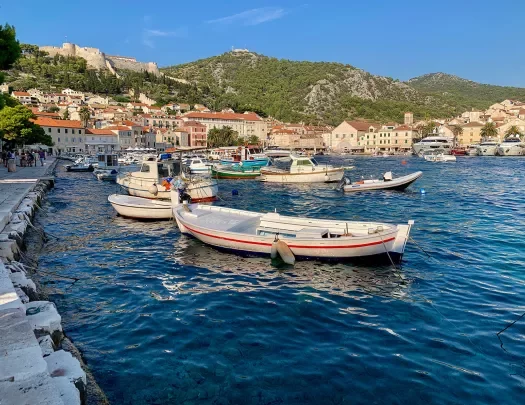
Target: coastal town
{"type": "Point", "coordinates": [244, 229]}
{"type": "Point", "coordinates": [90, 123]}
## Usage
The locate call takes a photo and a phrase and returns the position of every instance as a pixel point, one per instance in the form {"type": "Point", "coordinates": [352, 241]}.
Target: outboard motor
{"type": "Point", "coordinates": [345, 181]}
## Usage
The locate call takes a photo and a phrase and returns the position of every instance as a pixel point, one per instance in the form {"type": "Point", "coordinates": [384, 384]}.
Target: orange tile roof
{"type": "Point", "coordinates": [193, 124]}
{"type": "Point", "coordinates": [403, 128]}
{"type": "Point", "coordinates": [20, 93]}
{"type": "Point", "coordinates": [118, 128]}
{"type": "Point", "coordinates": [50, 122]}
{"type": "Point", "coordinates": [362, 125]}
{"type": "Point", "coordinates": [223, 116]}
{"type": "Point", "coordinates": [473, 124]}
{"type": "Point", "coordinates": [100, 131]}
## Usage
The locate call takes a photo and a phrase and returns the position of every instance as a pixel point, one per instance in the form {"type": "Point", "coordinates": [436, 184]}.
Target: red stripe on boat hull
{"type": "Point", "coordinates": [292, 246]}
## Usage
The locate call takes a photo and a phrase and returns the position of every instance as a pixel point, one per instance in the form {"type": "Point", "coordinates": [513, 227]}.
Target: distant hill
{"type": "Point", "coordinates": [305, 91]}
{"type": "Point", "coordinates": [312, 92]}
{"type": "Point", "coordinates": [465, 92]}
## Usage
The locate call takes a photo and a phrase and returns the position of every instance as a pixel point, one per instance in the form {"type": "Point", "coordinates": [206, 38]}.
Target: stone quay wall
{"type": "Point", "coordinates": [34, 367]}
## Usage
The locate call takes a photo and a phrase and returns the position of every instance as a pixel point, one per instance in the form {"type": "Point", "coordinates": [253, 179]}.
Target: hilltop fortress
{"type": "Point", "coordinates": [99, 60]}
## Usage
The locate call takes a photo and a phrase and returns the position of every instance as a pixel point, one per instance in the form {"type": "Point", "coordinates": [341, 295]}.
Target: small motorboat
{"type": "Point", "coordinates": [80, 167]}
{"type": "Point", "coordinates": [386, 183]}
{"type": "Point", "coordinates": [438, 156]}
{"type": "Point", "coordinates": [303, 170]}
{"type": "Point", "coordinates": [291, 237]}
{"type": "Point", "coordinates": [197, 165]}
{"type": "Point", "coordinates": [106, 175]}
{"type": "Point", "coordinates": [140, 208]}
{"type": "Point", "coordinates": [459, 152]}
{"type": "Point", "coordinates": [235, 172]}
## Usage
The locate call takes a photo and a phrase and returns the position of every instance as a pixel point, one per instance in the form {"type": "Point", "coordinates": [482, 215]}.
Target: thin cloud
{"type": "Point", "coordinates": [255, 16]}
{"type": "Point", "coordinates": [148, 35]}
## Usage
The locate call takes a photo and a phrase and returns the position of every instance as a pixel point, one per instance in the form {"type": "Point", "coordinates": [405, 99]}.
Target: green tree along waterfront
{"type": "Point", "coordinates": [218, 137]}
{"type": "Point", "coordinates": [16, 126]}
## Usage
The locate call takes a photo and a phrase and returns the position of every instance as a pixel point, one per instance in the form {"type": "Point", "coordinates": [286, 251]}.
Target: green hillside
{"type": "Point", "coordinates": [465, 92]}
{"type": "Point", "coordinates": [305, 91]}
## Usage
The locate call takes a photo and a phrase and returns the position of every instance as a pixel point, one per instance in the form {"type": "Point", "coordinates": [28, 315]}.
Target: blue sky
{"type": "Point", "coordinates": [479, 40]}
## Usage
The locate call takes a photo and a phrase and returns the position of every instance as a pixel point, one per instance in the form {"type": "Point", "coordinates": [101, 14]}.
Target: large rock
{"type": "Point", "coordinates": [20, 354]}
{"type": "Point", "coordinates": [39, 390]}
{"type": "Point", "coordinates": [45, 319]}
{"type": "Point", "coordinates": [19, 280]}
{"type": "Point", "coordinates": [47, 345]}
{"type": "Point", "coordinates": [8, 296]}
{"type": "Point", "coordinates": [63, 364]}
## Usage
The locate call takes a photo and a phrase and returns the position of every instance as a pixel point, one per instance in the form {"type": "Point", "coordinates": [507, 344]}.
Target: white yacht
{"type": "Point", "coordinates": [433, 142]}
{"type": "Point", "coordinates": [512, 146]}
{"type": "Point", "coordinates": [488, 147]}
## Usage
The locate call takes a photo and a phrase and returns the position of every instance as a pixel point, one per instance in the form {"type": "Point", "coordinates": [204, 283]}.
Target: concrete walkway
{"type": "Point", "coordinates": [28, 373]}
{"type": "Point", "coordinates": [15, 186]}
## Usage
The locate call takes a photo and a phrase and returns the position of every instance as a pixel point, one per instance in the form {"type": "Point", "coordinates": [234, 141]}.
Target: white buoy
{"type": "Point", "coordinates": [285, 252]}
{"type": "Point", "coordinates": [153, 189]}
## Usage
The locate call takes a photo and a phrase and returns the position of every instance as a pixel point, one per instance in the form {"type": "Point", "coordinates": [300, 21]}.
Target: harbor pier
{"type": "Point", "coordinates": [34, 369]}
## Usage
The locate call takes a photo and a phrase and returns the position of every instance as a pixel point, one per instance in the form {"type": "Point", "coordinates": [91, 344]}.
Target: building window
{"type": "Point", "coordinates": [73, 131]}
{"type": "Point", "coordinates": [58, 139]}
{"type": "Point", "coordinates": [67, 139]}
{"type": "Point", "coordinates": [65, 130]}
{"type": "Point", "coordinates": [49, 130]}
{"type": "Point", "coordinates": [80, 132]}
{"type": "Point", "coordinates": [58, 130]}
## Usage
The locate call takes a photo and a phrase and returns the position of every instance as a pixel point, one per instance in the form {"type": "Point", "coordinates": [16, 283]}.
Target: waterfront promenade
{"type": "Point", "coordinates": [14, 186]}
{"type": "Point", "coordinates": [32, 368]}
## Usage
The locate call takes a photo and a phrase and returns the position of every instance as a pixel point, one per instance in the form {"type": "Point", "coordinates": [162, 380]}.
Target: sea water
{"type": "Point", "coordinates": [163, 319]}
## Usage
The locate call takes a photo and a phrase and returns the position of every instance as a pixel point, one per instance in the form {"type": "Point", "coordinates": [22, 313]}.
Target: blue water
{"type": "Point", "coordinates": [163, 319]}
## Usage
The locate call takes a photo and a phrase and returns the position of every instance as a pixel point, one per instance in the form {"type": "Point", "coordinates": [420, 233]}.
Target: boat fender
{"type": "Point", "coordinates": [153, 189]}
{"type": "Point", "coordinates": [285, 252]}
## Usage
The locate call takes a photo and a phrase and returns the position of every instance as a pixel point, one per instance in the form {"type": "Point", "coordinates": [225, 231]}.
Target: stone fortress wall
{"type": "Point", "coordinates": [99, 60]}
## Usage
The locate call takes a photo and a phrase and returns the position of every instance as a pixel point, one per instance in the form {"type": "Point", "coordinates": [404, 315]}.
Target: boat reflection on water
{"type": "Point", "coordinates": [248, 274]}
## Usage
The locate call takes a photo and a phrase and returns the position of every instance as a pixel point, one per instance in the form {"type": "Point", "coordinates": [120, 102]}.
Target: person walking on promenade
{"type": "Point", "coordinates": [4, 158]}
{"type": "Point", "coordinates": [42, 157]}
{"type": "Point", "coordinates": [30, 158]}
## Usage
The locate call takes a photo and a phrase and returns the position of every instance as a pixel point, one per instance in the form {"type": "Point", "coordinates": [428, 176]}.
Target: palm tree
{"type": "Point", "coordinates": [457, 130]}
{"type": "Point", "coordinates": [84, 114]}
{"type": "Point", "coordinates": [513, 130]}
{"type": "Point", "coordinates": [489, 130]}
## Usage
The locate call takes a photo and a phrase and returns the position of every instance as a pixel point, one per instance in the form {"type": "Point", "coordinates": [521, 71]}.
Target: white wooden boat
{"type": "Point", "coordinates": [386, 183]}
{"type": "Point", "coordinates": [153, 180]}
{"type": "Point", "coordinates": [260, 233]}
{"type": "Point", "coordinates": [141, 208]}
{"type": "Point", "coordinates": [303, 170]}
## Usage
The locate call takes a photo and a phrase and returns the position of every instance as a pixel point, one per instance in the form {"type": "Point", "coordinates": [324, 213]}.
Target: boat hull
{"type": "Point", "coordinates": [400, 183]}
{"type": "Point", "coordinates": [325, 176]}
{"type": "Point", "coordinates": [391, 241]}
{"type": "Point", "coordinates": [136, 207]}
{"type": "Point", "coordinates": [246, 163]}
{"type": "Point", "coordinates": [487, 150]}
{"type": "Point", "coordinates": [511, 151]}
{"type": "Point", "coordinates": [205, 191]}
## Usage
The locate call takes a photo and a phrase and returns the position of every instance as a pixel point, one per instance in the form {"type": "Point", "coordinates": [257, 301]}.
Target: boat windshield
{"type": "Point", "coordinates": [314, 162]}
{"type": "Point", "coordinates": [168, 169]}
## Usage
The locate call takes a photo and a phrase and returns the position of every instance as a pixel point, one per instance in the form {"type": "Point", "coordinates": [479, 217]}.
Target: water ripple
{"type": "Point", "coordinates": [162, 318]}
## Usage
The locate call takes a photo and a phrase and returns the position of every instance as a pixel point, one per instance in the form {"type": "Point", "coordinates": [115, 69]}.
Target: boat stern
{"type": "Point", "coordinates": [402, 236]}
